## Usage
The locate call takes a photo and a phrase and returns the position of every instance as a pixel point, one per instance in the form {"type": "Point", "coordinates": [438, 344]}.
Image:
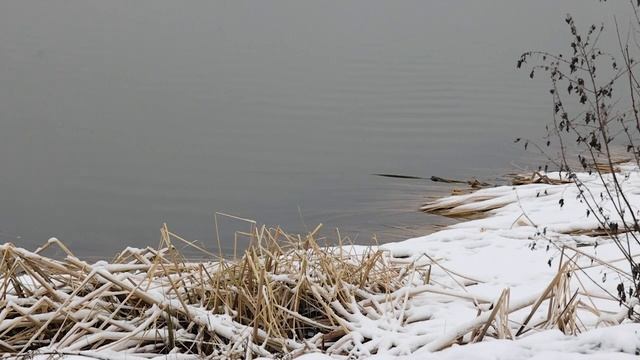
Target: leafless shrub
{"type": "Point", "coordinates": [596, 122]}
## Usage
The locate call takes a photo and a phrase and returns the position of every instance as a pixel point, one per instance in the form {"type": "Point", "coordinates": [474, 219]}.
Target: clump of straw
{"type": "Point", "coordinates": [286, 294]}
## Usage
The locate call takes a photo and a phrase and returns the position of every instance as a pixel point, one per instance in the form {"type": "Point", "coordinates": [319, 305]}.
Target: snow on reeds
{"type": "Point", "coordinates": [285, 295]}
{"type": "Point", "coordinates": [524, 267]}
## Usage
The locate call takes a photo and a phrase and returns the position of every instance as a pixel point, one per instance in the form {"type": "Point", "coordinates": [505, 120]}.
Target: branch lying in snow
{"type": "Point", "coordinates": [448, 339]}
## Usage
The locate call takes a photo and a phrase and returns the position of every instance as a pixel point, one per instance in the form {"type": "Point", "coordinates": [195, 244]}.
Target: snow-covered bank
{"type": "Point", "coordinates": [613, 343]}
{"type": "Point", "coordinates": [524, 271]}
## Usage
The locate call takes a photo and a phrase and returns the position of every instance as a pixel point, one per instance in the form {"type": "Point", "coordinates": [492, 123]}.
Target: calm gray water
{"type": "Point", "coordinates": [116, 116]}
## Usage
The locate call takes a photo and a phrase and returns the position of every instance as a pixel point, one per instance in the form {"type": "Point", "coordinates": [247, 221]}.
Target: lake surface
{"type": "Point", "coordinates": [117, 116]}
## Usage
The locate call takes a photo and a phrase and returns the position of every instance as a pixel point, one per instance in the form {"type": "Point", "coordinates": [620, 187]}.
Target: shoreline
{"type": "Point", "coordinates": [501, 276]}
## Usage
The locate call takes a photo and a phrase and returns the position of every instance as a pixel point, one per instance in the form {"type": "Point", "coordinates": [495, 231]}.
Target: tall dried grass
{"type": "Point", "coordinates": [286, 294]}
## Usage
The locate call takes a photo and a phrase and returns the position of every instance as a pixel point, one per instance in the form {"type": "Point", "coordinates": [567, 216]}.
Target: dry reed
{"type": "Point", "coordinates": [285, 295]}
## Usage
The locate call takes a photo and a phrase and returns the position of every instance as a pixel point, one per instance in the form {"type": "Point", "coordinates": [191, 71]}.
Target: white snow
{"type": "Point", "coordinates": [612, 343]}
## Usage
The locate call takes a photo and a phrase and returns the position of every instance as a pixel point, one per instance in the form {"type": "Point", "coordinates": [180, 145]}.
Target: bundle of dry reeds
{"type": "Point", "coordinates": [285, 295]}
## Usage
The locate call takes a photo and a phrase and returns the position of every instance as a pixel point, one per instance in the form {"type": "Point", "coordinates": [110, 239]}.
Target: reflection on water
{"type": "Point", "coordinates": [116, 116]}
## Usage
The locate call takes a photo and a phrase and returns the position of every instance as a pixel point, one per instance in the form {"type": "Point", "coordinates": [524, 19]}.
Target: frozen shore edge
{"type": "Point", "coordinates": [485, 275]}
